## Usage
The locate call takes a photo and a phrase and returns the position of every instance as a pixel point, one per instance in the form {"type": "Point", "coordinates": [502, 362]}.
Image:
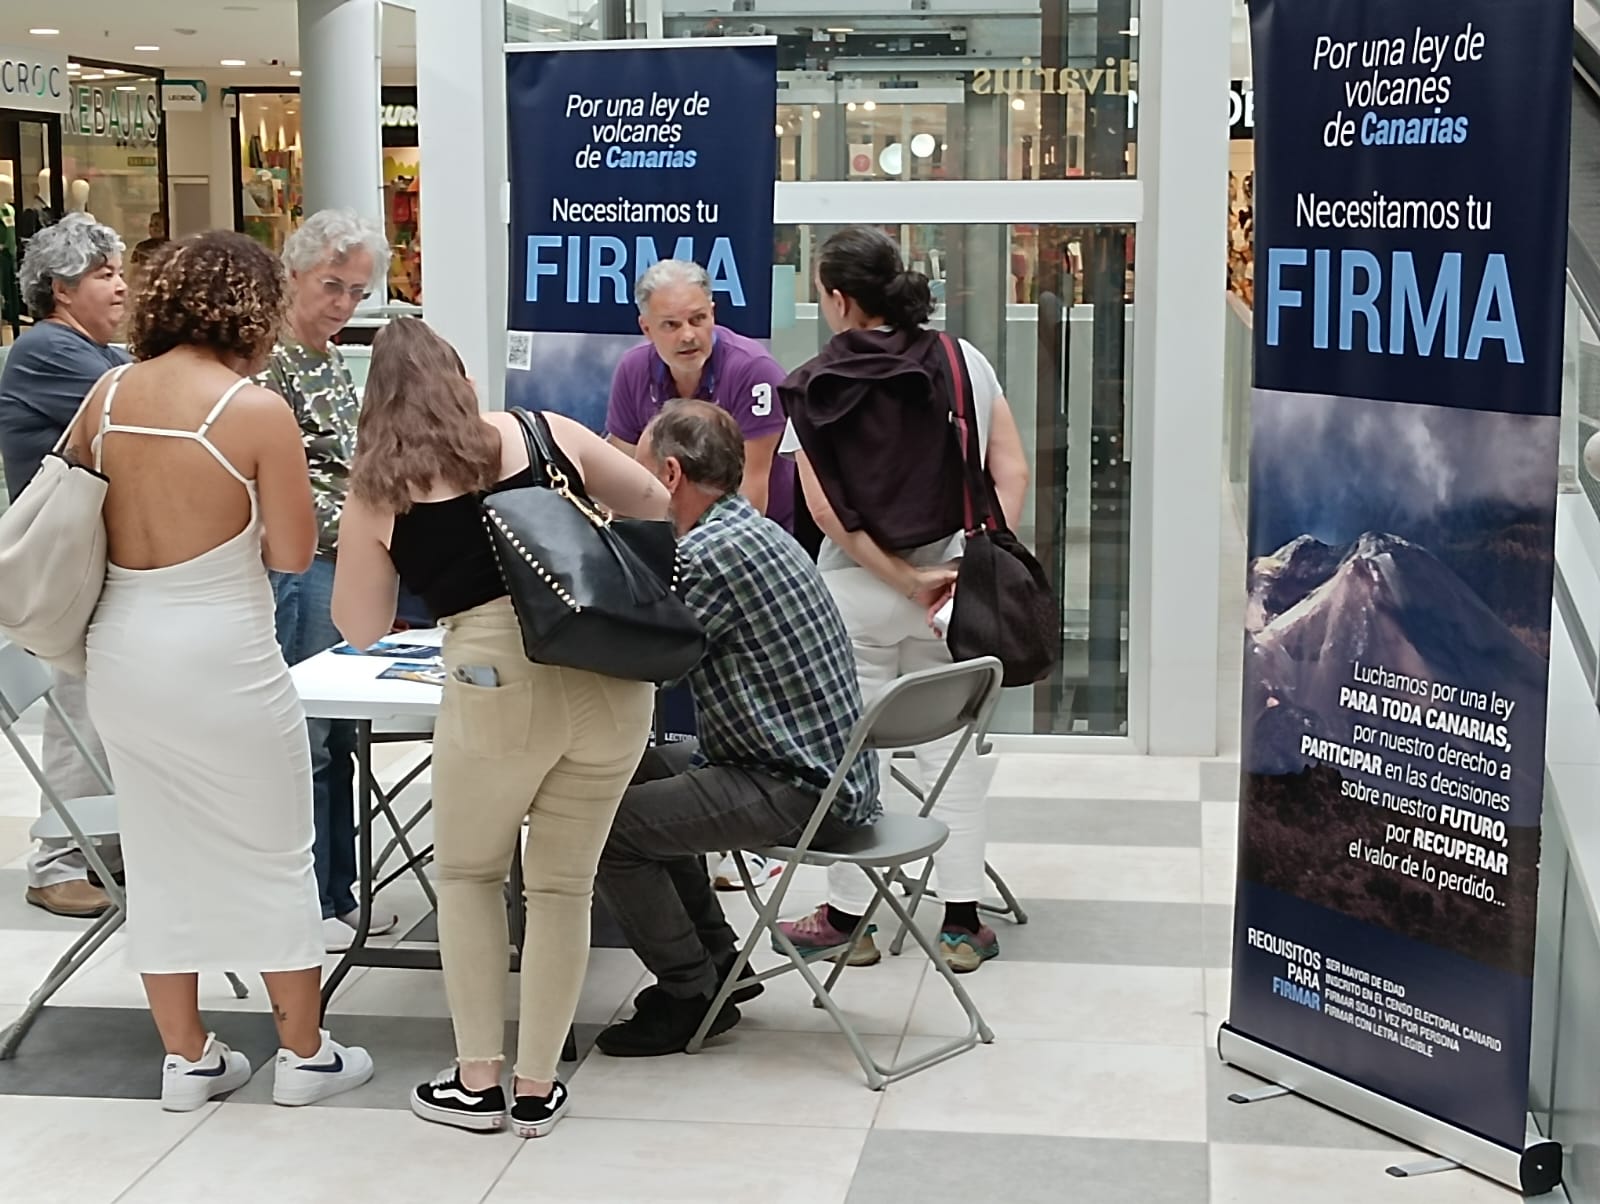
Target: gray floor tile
{"type": "Point", "coordinates": [603, 930]}
{"type": "Point", "coordinates": [1086, 822]}
{"type": "Point", "coordinates": [1219, 781]}
{"type": "Point", "coordinates": [950, 1168]}
{"type": "Point", "coordinates": [17, 913]}
{"type": "Point", "coordinates": [1115, 934]}
{"type": "Point", "coordinates": [1286, 1121]}
{"type": "Point", "coordinates": [405, 1051]}
{"type": "Point", "coordinates": [115, 1053]}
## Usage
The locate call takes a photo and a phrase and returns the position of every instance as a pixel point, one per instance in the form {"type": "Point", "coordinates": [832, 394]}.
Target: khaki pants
{"type": "Point", "coordinates": [550, 746]}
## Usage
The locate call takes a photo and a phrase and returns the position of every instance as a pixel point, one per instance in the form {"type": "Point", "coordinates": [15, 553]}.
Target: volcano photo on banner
{"type": "Point", "coordinates": [1409, 315]}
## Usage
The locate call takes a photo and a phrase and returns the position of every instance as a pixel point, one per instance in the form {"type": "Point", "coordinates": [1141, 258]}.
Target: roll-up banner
{"type": "Point", "coordinates": [621, 154]}
{"type": "Point", "coordinates": [1411, 201]}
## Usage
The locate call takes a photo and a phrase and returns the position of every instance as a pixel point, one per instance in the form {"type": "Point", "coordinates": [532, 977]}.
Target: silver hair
{"type": "Point", "coordinates": [334, 234]}
{"type": "Point", "coordinates": [66, 252]}
{"type": "Point", "coordinates": [665, 272]}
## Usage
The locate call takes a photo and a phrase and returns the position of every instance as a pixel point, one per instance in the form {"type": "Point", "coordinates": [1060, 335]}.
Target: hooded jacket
{"type": "Point", "coordinates": [874, 414]}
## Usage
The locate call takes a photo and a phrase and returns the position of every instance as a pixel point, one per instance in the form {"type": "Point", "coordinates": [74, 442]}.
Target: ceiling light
{"type": "Point", "coordinates": [127, 88]}
{"type": "Point", "coordinates": [816, 114]}
{"type": "Point", "coordinates": [841, 29]}
{"type": "Point", "coordinates": [1019, 104]}
{"type": "Point", "coordinates": [233, 62]}
{"type": "Point", "coordinates": [95, 76]}
{"type": "Point", "coordinates": [851, 107]}
{"type": "Point", "coordinates": [778, 130]}
{"type": "Point", "coordinates": [114, 71]}
{"type": "Point", "coordinates": [295, 74]}
{"type": "Point", "coordinates": [45, 33]}
{"type": "Point", "coordinates": [147, 49]}
{"type": "Point", "coordinates": [870, 106]}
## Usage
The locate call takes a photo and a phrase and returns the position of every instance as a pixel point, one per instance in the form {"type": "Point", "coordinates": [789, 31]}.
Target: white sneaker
{"type": "Point", "coordinates": [186, 1085]}
{"type": "Point", "coordinates": [762, 871]}
{"type": "Point", "coordinates": [335, 1069]}
{"type": "Point", "coordinates": [338, 932]}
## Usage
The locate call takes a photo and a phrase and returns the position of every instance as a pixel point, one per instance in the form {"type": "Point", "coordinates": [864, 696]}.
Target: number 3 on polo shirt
{"type": "Point", "coordinates": [763, 400]}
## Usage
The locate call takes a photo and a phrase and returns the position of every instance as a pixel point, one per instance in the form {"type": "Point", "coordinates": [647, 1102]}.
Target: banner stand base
{"type": "Point", "coordinates": [1430, 1166]}
{"type": "Point", "coordinates": [1533, 1170]}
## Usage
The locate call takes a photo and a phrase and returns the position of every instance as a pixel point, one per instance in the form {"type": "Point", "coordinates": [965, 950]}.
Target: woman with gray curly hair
{"type": "Point", "coordinates": [72, 281]}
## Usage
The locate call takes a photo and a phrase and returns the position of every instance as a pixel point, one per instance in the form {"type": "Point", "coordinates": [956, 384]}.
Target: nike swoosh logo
{"type": "Point", "coordinates": [333, 1067]}
{"type": "Point", "coordinates": [222, 1069]}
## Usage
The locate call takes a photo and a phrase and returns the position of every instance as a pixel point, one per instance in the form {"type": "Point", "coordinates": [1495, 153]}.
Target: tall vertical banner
{"type": "Point", "coordinates": [1411, 199]}
{"type": "Point", "coordinates": [621, 154]}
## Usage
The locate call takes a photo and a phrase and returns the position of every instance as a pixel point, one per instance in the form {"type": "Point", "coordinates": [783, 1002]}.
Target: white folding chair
{"type": "Point", "coordinates": [916, 709]}
{"type": "Point", "coordinates": [87, 822]}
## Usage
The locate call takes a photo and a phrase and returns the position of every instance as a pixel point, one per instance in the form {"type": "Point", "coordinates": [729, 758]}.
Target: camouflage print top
{"type": "Point", "coordinates": [319, 389]}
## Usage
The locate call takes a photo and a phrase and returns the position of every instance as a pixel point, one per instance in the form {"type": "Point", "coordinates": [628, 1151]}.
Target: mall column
{"type": "Point", "coordinates": [341, 57]}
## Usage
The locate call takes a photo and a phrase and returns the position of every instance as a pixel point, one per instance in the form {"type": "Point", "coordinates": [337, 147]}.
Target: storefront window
{"type": "Point", "coordinates": [1051, 308]}
{"type": "Point", "coordinates": [271, 180]}
{"type": "Point", "coordinates": [111, 147]}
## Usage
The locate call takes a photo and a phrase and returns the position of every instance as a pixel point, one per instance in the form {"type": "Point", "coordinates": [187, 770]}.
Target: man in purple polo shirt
{"type": "Point", "coordinates": [688, 355]}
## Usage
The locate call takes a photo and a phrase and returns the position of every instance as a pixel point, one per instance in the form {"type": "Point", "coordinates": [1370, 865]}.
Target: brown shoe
{"type": "Point", "coordinates": [77, 900]}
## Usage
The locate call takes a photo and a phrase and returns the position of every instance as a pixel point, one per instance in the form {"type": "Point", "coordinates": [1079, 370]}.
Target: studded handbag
{"type": "Point", "coordinates": [591, 590]}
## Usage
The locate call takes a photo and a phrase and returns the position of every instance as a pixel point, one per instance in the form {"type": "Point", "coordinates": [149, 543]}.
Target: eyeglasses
{"type": "Point", "coordinates": [335, 288]}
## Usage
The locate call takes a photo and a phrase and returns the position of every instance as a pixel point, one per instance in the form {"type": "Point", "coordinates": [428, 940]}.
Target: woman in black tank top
{"type": "Point", "coordinates": [515, 742]}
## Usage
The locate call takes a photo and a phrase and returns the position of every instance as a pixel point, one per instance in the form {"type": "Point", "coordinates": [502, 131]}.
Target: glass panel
{"type": "Point", "coordinates": [1065, 369]}
{"type": "Point", "coordinates": [270, 166]}
{"type": "Point", "coordinates": [1050, 94]}
{"type": "Point", "coordinates": [110, 141]}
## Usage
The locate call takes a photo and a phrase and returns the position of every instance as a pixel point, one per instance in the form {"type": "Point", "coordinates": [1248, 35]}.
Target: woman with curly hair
{"type": "Point", "coordinates": [204, 732]}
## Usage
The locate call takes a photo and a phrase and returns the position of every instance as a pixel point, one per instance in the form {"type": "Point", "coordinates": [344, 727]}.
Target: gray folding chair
{"type": "Point", "coordinates": [916, 709]}
{"type": "Point", "coordinates": [916, 889]}
{"type": "Point", "coordinates": [87, 822]}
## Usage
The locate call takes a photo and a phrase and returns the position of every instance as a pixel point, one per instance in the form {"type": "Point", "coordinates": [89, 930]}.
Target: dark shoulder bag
{"type": "Point", "coordinates": [1004, 606]}
{"type": "Point", "coordinates": [591, 590]}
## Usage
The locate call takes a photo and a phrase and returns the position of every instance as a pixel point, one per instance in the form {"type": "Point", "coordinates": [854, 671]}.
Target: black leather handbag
{"type": "Point", "coordinates": [1004, 606]}
{"type": "Point", "coordinates": [591, 590]}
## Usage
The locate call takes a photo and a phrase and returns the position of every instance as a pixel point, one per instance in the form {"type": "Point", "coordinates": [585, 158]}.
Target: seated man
{"type": "Point", "coordinates": [777, 698]}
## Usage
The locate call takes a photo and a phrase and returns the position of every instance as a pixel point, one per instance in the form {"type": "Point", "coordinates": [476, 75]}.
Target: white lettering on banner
{"type": "Point", "coordinates": [33, 81]}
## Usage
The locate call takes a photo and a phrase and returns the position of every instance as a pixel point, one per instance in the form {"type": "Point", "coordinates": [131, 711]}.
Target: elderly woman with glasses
{"type": "Point", "coordinates": [72, 281]}
{"type": "Point", "coordinates": [333, 262]}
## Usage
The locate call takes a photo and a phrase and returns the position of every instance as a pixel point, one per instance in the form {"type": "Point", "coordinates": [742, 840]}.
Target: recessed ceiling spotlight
{"type": "Point", "coordinates": [233, 62]}
{"type": "Point", "coordinates": [296, 74]}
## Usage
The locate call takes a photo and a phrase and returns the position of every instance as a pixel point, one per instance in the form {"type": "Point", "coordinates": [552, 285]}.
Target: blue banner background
{"type": "Point", "coordinates": [1403, 476]}
{"type": "Point", "coordinates": [620, 149]}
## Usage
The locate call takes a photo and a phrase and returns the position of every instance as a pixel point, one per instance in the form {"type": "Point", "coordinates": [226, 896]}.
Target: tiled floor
{"type": "Point", "coordinates": [1102, 1086]}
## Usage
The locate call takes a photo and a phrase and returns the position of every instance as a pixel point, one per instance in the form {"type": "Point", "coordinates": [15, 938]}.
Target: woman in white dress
{"type": "Point", "coordinates": [205, 735]}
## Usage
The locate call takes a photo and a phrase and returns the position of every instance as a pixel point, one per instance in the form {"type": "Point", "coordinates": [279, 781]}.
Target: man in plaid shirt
{"type": "Point", "coordinates": [777, 698]}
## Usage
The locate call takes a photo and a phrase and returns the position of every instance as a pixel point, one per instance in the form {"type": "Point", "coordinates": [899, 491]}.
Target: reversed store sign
{"type": "Point", "coordinates": [33, 80]}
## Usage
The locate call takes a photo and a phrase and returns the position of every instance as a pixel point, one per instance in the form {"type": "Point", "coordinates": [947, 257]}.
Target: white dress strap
{"type": "Point", "coordinates": [222, 404]}
{"type": "Point", "coordinates": [105, 416]}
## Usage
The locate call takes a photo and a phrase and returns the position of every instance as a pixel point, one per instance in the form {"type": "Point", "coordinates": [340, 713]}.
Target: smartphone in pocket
{"type": "Point", "coordinates": [477, 675]}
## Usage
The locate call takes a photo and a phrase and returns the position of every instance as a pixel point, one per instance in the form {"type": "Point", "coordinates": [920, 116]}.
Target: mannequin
{"type": "Point", "coordinates": [78, 196]}
{"type": "Point", "coordinates": [37, 215]}
{"type": "Point", "coordinates": [10, 291]}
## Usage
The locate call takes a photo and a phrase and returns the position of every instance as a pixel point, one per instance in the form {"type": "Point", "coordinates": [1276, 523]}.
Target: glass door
{"type": "Point", "coordinates": [32, 195]}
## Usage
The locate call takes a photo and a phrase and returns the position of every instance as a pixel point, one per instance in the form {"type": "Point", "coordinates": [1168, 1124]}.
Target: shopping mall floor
{"type": "Point", "coordinates": [1102, 1084]}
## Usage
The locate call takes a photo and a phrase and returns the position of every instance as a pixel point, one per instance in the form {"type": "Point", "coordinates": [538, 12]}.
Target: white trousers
{"type": "Point", "coordinates": [892, 638]}
{"type": "Point", "coordinates": [54, 862]}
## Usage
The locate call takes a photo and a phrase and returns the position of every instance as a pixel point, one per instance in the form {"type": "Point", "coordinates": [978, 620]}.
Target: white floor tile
{"type": "Point", "coordinates": [14, 839]}
{"type": "Point", "coordinates": [27, 955]}
{"type": "Point", "coordinates": [253, 1154]}
{"type": "Point", "coordinates": [1120, 874]}
{"type": "Point", "coordinates": [1219, 870]}
{"type": "Point", "coordinates": [1044, 1001]}
{"type": "Point", "coordinates": [625, 1162]}
{"type": "Point", "coordinates": [1270, 1174]}
{"type": "Point", "coordinates": [1056, 1089]}
{"type": "Point", "coordinates": [1219, 993]}
{"type": "Point", "coordinates": [876, 999]}
{"type": "Point", "coordinates": [84, 1151]}
{"type": "Point", "coordinates": [1067, 775]}
{"type": "Point", "coordinates": [745, 1077]}
{"type": "Point", "coordinates": [1219, 825]}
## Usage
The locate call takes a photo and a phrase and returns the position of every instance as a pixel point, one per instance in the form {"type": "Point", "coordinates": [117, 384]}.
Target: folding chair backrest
{"type": "Point", "coordinates": [922, 707]}
{"type": "Point", "coordinates": [23, 681]}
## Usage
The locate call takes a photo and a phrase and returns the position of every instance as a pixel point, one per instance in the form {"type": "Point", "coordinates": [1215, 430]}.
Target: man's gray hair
{"type": "Point", "coordinates": [669, 271]}
{"type": "Point", "coordinates": [334, 234]}
{"type": "Point", "coordinates": [66, 252]}
{"type": "Point", "coordinates": [706, 442]}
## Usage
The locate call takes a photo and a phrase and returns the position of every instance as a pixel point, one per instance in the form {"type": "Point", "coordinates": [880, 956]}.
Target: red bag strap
{"type": "Point", "coordinates": [971, 456]}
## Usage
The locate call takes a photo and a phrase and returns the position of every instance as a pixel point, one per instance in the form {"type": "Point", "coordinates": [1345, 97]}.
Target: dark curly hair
{"type": "Point", "coordinates": [217, 290]}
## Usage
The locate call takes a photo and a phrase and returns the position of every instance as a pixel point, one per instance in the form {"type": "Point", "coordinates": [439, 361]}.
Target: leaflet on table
{"type": "Point", "coordinates": [427, 673]}
{"type": "Point", "coordinates": [399, 651]}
